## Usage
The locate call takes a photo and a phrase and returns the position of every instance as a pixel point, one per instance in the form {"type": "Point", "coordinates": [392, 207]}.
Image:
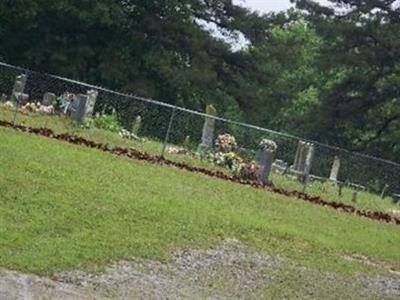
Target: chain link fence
{"type": "Point", "coordinates": [189, 136]}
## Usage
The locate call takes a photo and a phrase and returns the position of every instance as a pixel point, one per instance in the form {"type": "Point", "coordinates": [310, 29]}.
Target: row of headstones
{"type": "Point", "coordinates": [80, 107]}
{"type": "Point", "coordinates": [265, 157]}
{"type": "Point", "coordinates": [303, 161]}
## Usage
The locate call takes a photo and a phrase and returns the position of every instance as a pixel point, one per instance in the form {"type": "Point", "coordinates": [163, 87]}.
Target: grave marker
{"type": "Point", "coordinates": [207, 137]}
{"type": "Point", "coordinates": [49, 99]}
{"type": "Point", "coordinates": [265, 158]}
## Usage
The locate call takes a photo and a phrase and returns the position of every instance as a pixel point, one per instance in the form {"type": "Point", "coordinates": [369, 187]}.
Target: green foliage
{"type": "Point", "coordinates": [315, 72]}
{"type": "Point", "coordinates": [103, 121]}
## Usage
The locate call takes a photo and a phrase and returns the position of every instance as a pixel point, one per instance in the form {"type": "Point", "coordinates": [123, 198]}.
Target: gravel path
{"type": "Point", "coordinates": [229, 271]}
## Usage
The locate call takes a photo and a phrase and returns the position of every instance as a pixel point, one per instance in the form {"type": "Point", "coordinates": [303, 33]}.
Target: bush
{"type": "Point", "coordinates": [106, 122]}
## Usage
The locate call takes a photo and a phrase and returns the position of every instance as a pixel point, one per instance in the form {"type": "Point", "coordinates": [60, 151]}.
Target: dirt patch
{"type": "Point", "coordinates": [17, 286]}
{"type": "Point", "coordinates": [228, 271]}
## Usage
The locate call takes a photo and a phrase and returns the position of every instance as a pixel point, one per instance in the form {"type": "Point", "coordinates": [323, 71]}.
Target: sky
{"type": "Point", "coordinates": [265, 6]}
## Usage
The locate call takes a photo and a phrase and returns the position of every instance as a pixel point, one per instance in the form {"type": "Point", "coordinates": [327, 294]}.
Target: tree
{"type": "Point", "coordinates": [361, 53]}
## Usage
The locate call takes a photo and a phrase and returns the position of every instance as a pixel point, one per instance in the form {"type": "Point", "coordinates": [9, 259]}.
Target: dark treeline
{"type": "Point", "coordinates": [330, 74]}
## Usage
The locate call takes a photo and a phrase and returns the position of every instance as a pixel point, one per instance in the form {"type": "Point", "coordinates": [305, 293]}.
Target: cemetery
{"type": "Point", "coordinates": [199, 149]}
{"type": "Point", "coordinates": [216, 151]}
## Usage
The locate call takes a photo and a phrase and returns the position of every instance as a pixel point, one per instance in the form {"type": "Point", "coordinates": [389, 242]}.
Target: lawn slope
{"type": "Point", "coordinates": [65, 207]}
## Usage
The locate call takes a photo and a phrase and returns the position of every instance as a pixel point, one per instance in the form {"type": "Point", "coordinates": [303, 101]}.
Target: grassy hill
{"type": "Point", "coordinates": [66, 207]}
{"type": "Point", "coordinates": [59, 124]}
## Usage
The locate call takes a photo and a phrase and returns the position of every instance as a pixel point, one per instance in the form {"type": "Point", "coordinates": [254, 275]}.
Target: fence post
{"type": "Point", "coordinates": [171, 120]}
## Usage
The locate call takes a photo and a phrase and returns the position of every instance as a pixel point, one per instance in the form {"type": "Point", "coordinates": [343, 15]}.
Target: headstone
{"type": "Point", "coordinates": [335, 169]}
{"type": "Point", "coordinates": [3, 98]}
{"type": "Point", "coordinates": [304, 151]}
{"type": "Point", "coordinates": [384, 190]}
{"type": "Point", "coordinates": [19, 87]}
{"type": "Point", "coordinates": [137, 123]}
{"type": "Point", "coordinates": [207, 137]}
{"type": "Point", "coordinates": [23, 98]}
{"type": "Point", "coordinates": [279, 166]}
{"type": "Point", "coordinates": [309, 159]}
{"type": "Point", "coordinates": [83, 105]}
{"type": "Point", "coordinates": [297, 156]}
{"type": "Point", "coordinates": [265, 158]}
{"type": "Point", "coordinates": [78, 108]}
{"type": "Point", "coordinates": [90, 103]}
{"type": "Point", "coordinates": [49, 99]}
{"type": "Point", "coordinates": [186, 142]}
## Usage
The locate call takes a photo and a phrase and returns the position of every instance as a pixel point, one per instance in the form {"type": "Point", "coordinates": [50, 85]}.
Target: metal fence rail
{"type": "Point", "coordinates": [164, 125]}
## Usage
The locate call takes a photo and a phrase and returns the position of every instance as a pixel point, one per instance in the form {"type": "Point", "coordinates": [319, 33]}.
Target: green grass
{"type": "Point", "coordinates": [64, 207]}
{"type": "Point", "coordinates": [327, 190]}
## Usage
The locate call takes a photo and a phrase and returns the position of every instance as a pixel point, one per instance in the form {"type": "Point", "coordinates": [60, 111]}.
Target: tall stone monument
{"type": "Point", "coordinates": [207, 138]}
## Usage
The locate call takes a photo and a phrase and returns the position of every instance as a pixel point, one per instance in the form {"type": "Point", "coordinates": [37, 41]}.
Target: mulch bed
{"type": "Point", "coordinates": [135, 154]}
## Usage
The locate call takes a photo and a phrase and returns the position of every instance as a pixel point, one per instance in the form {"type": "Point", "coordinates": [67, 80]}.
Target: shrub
{"type": "Point", "coordinates": [106, 122]}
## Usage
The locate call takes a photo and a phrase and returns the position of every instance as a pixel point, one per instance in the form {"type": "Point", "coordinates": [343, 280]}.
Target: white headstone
{"type": "Point", "coordinates": [309, 159]}
{"type": "Point", "coordinates": [91, 102]}
{"type": "Point", "coordinates": [137, 123]}
{"type": "Point", "coordinates": [335, 169]}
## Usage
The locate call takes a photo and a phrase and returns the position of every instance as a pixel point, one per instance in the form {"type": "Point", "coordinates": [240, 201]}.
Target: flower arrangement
{"type": "Point", "coordinates": [126, 134]}
{"type": "Point", "coordinates": [7, 104]}
{"type": "Point", "coordinates": [228, 160]}
{"type": "Point", "coordinates": [248, 171]}
{"type": "Point", "coordinates": [177, 150]}
{"type": "Point", "coordinates": [37, 108]}
{"type": "Point", "coordinates": [65, 100]}
{"type": "Point", "coordinates": [225, 143]}
{"type": "Point", "coordinates": [267, 145]}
